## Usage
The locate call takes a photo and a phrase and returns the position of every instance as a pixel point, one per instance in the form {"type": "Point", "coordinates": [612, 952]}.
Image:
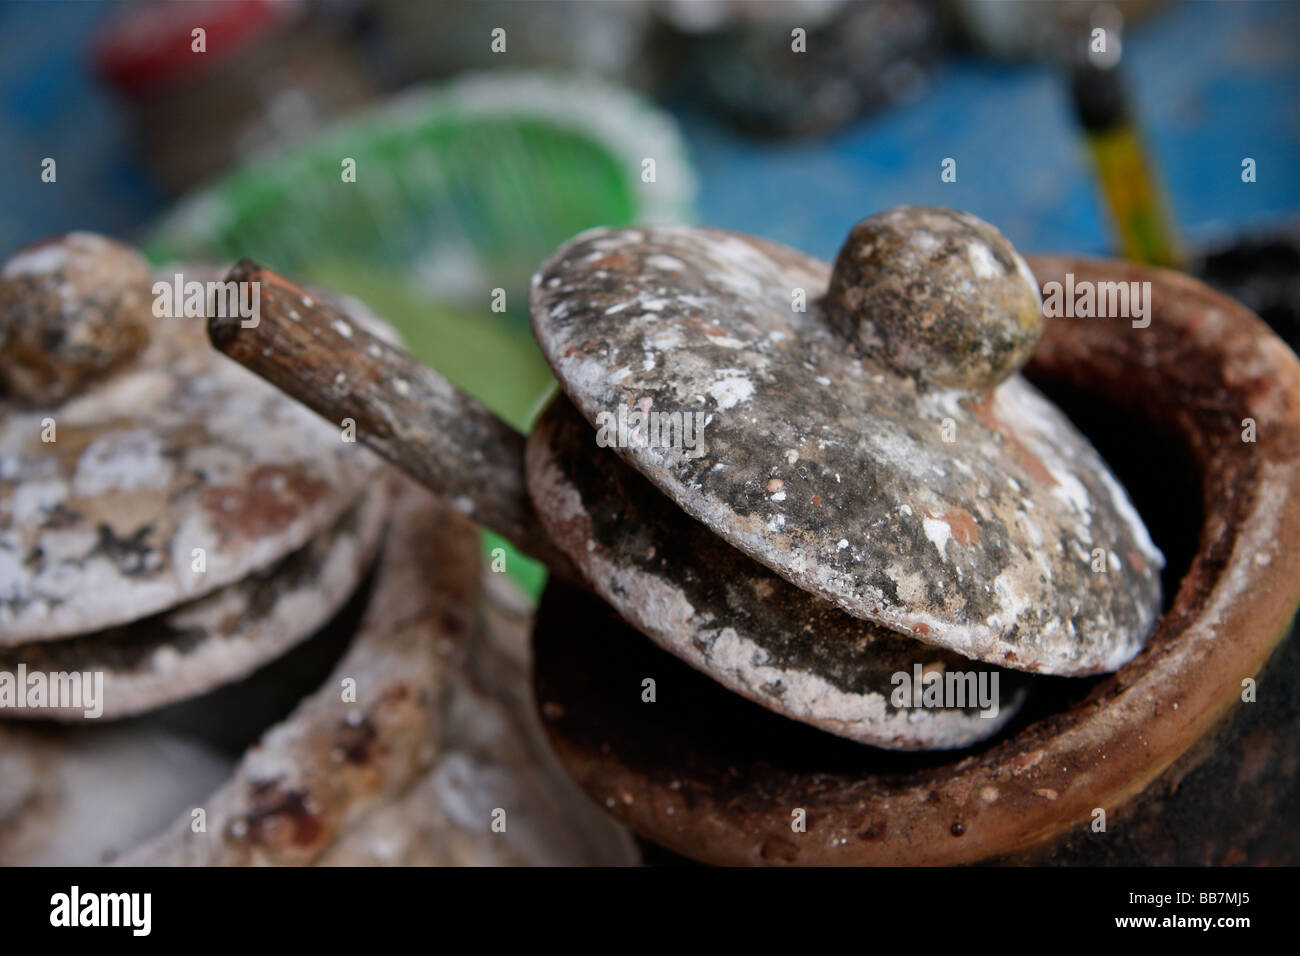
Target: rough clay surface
{"type": "Point", "coordinates": [441, 734]}
{"type": "Point", "coordinates": [332, 759]}
{"type": "Point", "coordinates": [183, 449]}
{"type": "Point", "coordinates": [493, 755]}
{"type": "Point", "coordinates": [938, 294]}
{"type": "Point", "coordinates": [834, 472]}
{"type": "Point", "coordinates": [732, 618]}
{"type": "Point", "coordinates": [220, 637]}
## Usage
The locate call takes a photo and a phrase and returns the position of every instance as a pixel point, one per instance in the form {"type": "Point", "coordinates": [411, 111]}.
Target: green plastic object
{"type": "Point", "coordinates": [458, 193]}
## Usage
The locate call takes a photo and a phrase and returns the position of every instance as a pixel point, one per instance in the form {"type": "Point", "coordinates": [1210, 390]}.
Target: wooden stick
{"type": "Point", "coordinates": [403, 410]}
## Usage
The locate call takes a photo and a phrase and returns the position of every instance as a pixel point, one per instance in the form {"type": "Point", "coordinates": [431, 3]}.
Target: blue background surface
{"type": "Point", "coordinates": [1212, 82]}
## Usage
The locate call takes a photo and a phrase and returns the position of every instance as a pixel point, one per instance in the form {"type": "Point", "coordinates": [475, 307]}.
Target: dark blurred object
{"type": "Point", "coordinates": [1138, 208]}
{"type": "Point", "coordinates": [1030, 29]}
{"type": "Point", "coordinates": [1262, 273]}
{"type": "Point", "coordinates": [744, 59]}
{"type": "Point", "coordinates": [269, 74]}
{"type": "Point", "coordinates": [424, 41]}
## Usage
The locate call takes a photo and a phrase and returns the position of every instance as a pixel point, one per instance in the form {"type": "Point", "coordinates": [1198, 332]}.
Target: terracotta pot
{"type": "Point", "coordinates": [1185, 770]}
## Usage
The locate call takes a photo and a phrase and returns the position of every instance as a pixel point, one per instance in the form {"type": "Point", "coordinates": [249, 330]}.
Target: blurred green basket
{"type": "Point", "coordinates": [459, 190]}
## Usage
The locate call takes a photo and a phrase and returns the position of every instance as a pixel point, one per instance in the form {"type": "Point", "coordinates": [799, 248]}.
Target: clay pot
{"type": "Point", "coordinates": [1187, 765]}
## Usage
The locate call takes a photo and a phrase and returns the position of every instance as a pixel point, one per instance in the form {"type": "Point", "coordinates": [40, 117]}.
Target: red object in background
{"type": "Point", "coordinates": [271, 72]}
{"type": "Point", "coordinates": [150, 45]}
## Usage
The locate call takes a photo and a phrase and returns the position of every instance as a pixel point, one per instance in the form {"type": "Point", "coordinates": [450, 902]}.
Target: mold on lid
{"type": "Point", "coordinates": [874, 450]}
{"type": "Point", "coordinates": [219, 638]}
{"type": "Point", "coordinates": [138, 479]}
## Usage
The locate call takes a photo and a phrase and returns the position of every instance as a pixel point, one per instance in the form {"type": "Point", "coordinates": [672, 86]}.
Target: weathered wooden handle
{"type": "Point", "coordinates": [402, 409]}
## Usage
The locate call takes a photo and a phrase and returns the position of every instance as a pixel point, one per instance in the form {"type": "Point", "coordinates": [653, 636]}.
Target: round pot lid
{"type": "Point", "coordinates": [733, 619]}
{"type": "Point", "coordinates": [982, 522]}
{"type": "Point", "coordinates": [217, 639]}
{"type": "Point", "coordinates": [160, 483]}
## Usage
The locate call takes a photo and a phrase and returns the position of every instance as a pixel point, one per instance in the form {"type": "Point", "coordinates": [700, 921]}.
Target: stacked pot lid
{"type": "Point", "coordinates": [869, 493]}
{"type": "Point", "coordinates": [168, 524]}
{"type": "Point", "coordinates": [166, 519]}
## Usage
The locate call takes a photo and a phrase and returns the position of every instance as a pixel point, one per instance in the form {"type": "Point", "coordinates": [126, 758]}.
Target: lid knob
{"type": "Point", "coordinates": [936, 294]}
{"type": "Point", "coordinates": [72, 308]}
